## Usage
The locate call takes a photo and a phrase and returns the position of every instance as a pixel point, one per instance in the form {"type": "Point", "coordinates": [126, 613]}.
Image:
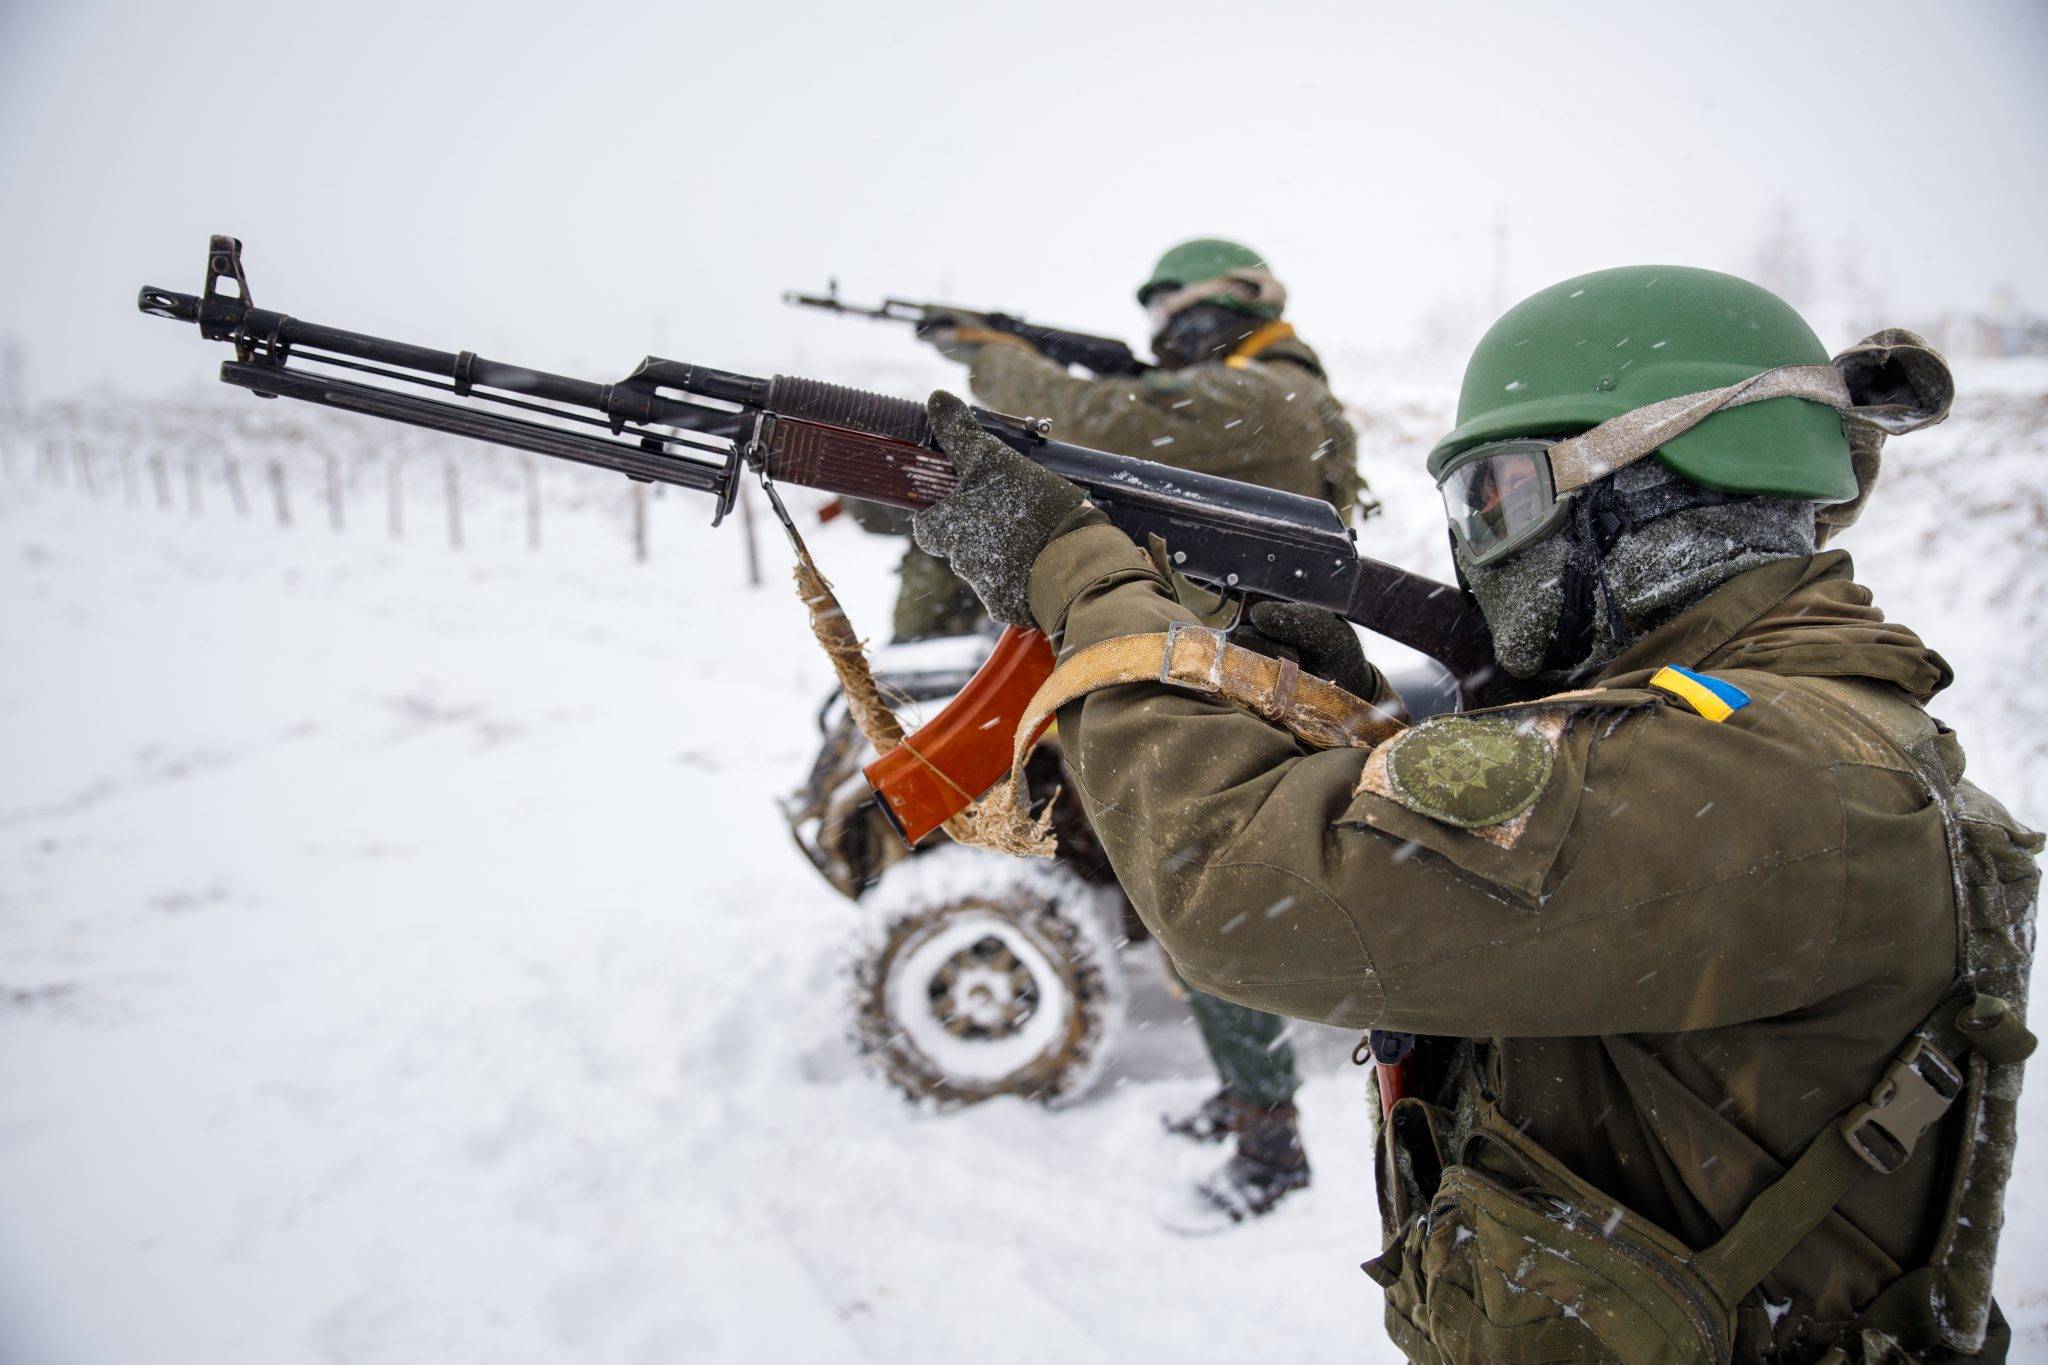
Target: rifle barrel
{"type": "Point", "coordinates": [265, 325]}
{"type": "Point", "coordinates": [464, 369]}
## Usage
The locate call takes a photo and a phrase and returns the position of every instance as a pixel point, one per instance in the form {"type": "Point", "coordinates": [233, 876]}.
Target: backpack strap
{"type": "Point", "coordinates": [1879, 1135]}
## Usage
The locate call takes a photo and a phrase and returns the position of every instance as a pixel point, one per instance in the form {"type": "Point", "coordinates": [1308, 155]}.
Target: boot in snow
{"type": "Point", "coordinates": [1217, 1118]}
{"type": "Point", "coordinates": [1268, 1164]}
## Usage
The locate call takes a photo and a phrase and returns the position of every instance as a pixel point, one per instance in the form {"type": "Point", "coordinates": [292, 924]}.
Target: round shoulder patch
{"type": "Point", "coordinates": [1469, 772]}
{"type": "Point", "coordinates": [1166, 383]}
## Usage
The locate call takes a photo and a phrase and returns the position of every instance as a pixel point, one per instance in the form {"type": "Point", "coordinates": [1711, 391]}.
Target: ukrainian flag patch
{"type": "Point", "coordinates": [1710, 697]}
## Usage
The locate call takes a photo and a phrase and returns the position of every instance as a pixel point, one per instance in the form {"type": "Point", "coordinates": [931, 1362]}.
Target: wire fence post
{"type": "Point", "coordinates": [277, 489]}
{"type": "Point", "coordinates": [192, 502]}
{"type": "Point", "coordinates": [81, 452]}
{"type": "Point", "coordinates": [231, 472]}
{"type": "Point", "coordinates": [532, 505]}
{"type": "Point", "coordinates": [334, 493]}
{"type": "Point", "coordinates": [161, 477]}
{"type": "Point", "coordinates": [394, 488]}
{"type": "Point", "coordinates": [454, 504]}
{"type": "Point", "coordinates": [639, 521]}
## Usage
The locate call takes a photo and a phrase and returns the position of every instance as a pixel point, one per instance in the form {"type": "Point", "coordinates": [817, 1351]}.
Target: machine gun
{"type": "Point", "coordinates": [1105, 356]}
{"type": "Point", "coordinates": [705, 430]}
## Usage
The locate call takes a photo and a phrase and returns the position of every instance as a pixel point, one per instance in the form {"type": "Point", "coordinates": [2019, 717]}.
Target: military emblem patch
{"type": "Point", "coordinates": [1472, 773]}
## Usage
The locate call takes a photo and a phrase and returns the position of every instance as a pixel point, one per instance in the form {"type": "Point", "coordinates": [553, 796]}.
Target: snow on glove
{"type": "Point", "coordinates": [998, 518]}
{"type": "Point", "coordinates": [1322, 642]}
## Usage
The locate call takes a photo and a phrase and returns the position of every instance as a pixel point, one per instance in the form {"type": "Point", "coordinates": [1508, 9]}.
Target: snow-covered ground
{"type": "Point", "coordinates": [402, 958]}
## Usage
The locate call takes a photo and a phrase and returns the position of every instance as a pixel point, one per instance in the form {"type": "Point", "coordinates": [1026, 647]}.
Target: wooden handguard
{"type": "Point", "coordinates": [857, 464]}
{"type": "Point", "coordinates": [960, 753]}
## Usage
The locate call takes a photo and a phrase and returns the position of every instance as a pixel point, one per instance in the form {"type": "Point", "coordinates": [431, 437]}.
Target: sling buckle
{"type": "Point", "coordinates": [1915, 1092]}
{"type": "Point", "coordinates": [1178, 670]}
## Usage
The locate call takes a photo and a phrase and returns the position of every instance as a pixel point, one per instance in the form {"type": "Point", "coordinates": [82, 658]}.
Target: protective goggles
{"type": "Point", "coordinates": [1505, 495]}
{"type": "Point", "coordinates": [1501, 497]}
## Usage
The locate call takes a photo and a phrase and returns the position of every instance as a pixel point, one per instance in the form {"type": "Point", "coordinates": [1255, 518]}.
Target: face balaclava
{"type": "Point", "coordinates": [1640, 545]}
{"type": "Point", "coordinates": [1202, 331]}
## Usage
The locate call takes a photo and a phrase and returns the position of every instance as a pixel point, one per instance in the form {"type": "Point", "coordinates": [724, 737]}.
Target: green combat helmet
{"type": "Point", "coordinates": [1578, 353]}
{"type": "Point", "coordinates": [1207, 258]}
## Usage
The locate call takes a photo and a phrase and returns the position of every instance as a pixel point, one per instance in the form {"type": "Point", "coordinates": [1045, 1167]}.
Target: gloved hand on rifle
{"type": "Point", "coordinates": [959, 336]}
{"type": "Point", "coordinates": [1002, 514]}
{"type": "Point", "coordinates": [1005, 510]}
{"type": "Point", "coordinates": [1321, 641]}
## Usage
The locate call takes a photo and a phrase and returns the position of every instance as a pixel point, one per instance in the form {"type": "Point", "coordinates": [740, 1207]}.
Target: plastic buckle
{"type": "Point", "coordinates": [1170, 672]}
{"type": "Point", "coordinates": [1915, 1092]}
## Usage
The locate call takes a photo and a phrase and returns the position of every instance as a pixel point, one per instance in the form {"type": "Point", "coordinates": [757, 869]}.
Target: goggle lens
{"type": "Point", "coordinates": [1499, 500]}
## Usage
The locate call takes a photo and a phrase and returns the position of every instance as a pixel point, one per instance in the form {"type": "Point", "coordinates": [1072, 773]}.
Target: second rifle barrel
{"type": "Point", "coordinates": [479, 425]}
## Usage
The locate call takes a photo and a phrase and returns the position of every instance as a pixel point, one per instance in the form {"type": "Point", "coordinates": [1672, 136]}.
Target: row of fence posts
{"type": "Point", "coordinates": [50, 468]}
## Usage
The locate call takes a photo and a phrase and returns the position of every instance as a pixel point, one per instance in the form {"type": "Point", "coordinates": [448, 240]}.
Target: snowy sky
{"type": "Point", "coordinates": [573, 185]}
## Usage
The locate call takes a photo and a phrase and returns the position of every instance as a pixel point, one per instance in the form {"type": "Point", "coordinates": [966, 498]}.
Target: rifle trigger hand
{"type": "Point", "coordinates": [999, 517]}
{"type": "Point", "coordinates": [957, 335]}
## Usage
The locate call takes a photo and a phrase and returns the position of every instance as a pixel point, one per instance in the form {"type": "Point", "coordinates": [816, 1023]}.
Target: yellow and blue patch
{"type": "Point", "coordinates": [1709, 696]}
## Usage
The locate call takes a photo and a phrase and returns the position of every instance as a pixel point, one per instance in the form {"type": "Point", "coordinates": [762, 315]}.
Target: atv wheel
{"type": "Point", "coordinates": [977, 975]}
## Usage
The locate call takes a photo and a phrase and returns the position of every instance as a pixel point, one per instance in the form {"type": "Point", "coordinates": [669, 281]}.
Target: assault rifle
{"type": "Point", "coordinates": [1104, 356]}
{"type": "Point", "coordinates": [704, 429]}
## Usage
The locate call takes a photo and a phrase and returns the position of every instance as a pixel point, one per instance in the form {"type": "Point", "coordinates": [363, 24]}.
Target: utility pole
{"type": "Point", "coordinates": [1500, 259]}
{"type": "Point", "coordinates": [13, 365]}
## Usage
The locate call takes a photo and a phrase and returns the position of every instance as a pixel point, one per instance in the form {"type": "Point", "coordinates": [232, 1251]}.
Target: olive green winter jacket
{"type": "Point", "coordinates": [1684, 945]}
{"type": "Point", "coordinates": [1263, 416]}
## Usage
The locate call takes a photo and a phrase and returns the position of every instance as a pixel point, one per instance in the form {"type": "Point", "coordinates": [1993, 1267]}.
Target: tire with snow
{"type": "Point", "coordinates": [976, 975]}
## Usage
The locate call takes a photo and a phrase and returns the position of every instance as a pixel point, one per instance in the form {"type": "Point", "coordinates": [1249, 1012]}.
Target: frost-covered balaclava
{"type": "Point", "coordinates": [1640, 545]}
{"type": "Point", "coordinates": [1202, 331]}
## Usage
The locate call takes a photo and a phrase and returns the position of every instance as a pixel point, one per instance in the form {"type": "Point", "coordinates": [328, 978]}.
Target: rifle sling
{"type": "Point", "coordinates": [1198, 659]}
{"type": "Point", "coordinates": [1912, 1095]}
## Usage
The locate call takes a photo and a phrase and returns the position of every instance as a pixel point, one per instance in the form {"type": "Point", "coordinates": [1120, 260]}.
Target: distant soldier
{"type": "Point", "coordinates": [1725, 960]}
{"type": "Point", "coordinates": [1236, 393]}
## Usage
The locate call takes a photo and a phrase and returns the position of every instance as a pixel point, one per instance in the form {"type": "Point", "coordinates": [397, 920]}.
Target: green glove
{"type": "Point", "coordinates": [997, 519]}
{"type": "Point", "coordinates": [1321, 641]}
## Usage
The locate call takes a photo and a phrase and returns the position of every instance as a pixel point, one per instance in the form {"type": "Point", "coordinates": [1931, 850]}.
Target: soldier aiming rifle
{"type": "Point", "coordinates": [1721, 964]}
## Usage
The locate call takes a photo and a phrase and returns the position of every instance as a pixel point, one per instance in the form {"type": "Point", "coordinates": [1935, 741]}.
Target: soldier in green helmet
{"type": "Point", "coordinates": [1235, 393]}
{"type": "Point", "coordinates": [1719, 961]}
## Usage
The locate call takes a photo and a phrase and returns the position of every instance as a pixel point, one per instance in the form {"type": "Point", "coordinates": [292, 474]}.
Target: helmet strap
{"type": "Point", "coordinates": [1582, 592]}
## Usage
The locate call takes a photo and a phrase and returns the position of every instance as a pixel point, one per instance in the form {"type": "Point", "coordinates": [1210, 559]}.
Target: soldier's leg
{"type": "Point", "coordinates": [1250, 1050]}
{"type": "Point", "coordinates": [1255, 1062]}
